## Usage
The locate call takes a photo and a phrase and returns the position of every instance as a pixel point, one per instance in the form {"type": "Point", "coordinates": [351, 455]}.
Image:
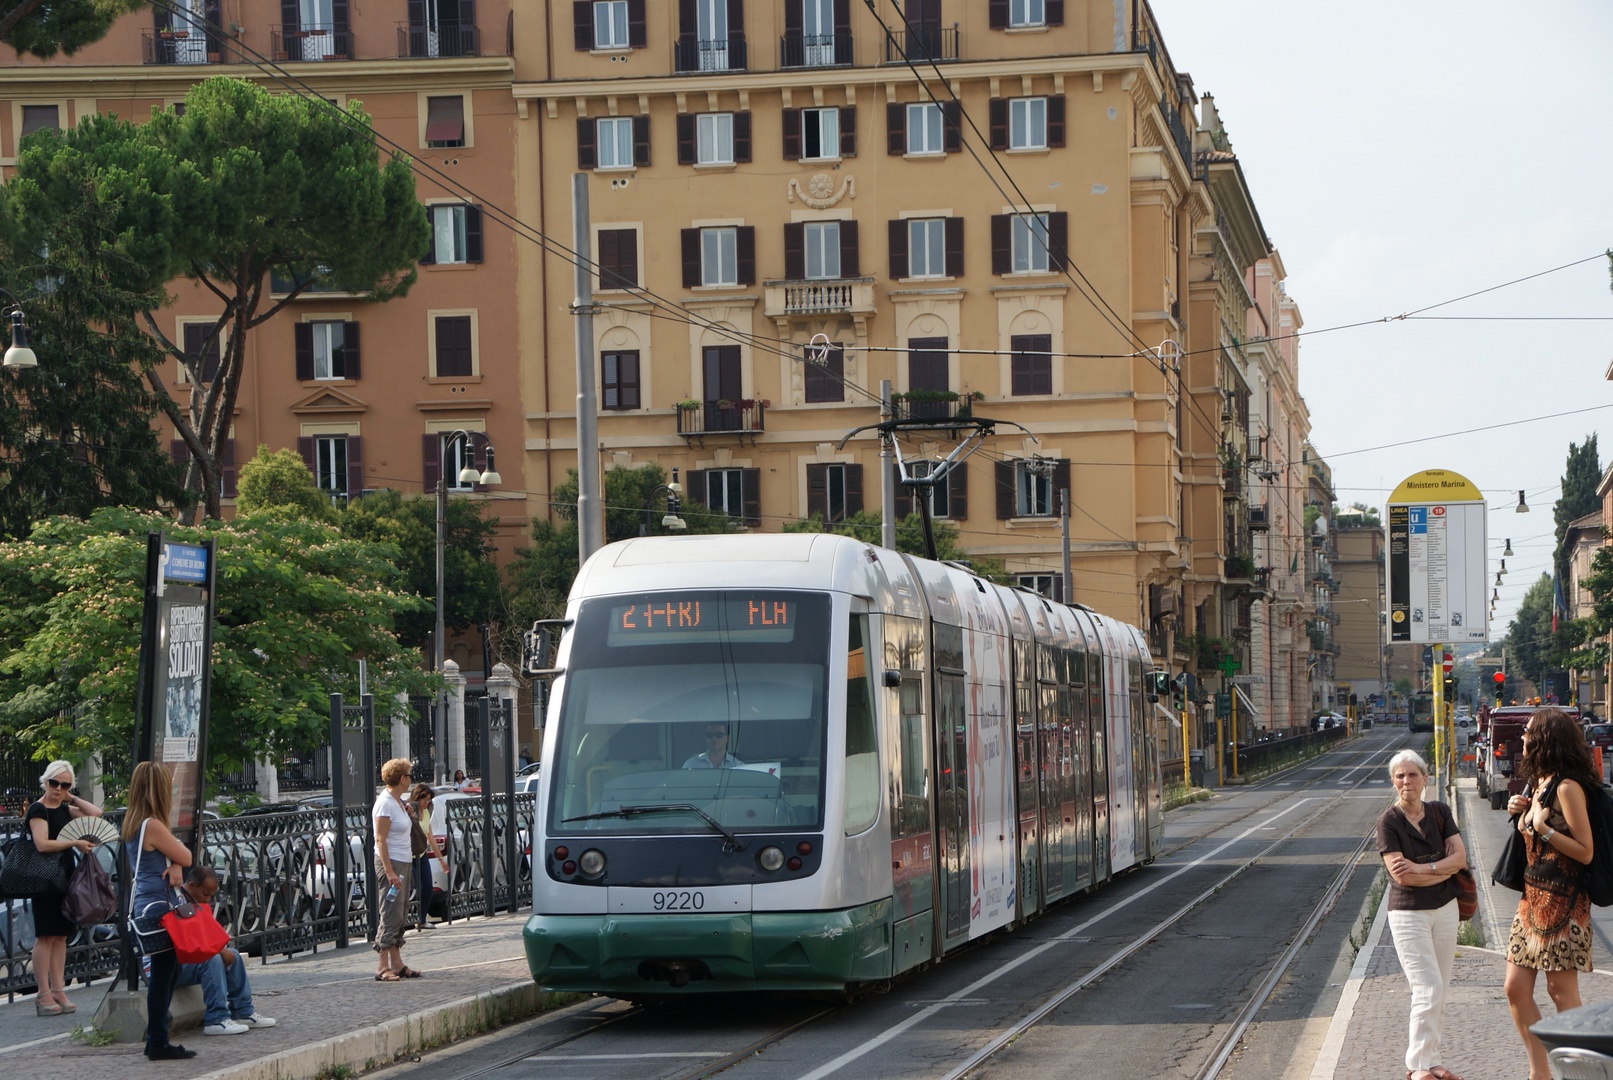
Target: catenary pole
{"type": "Point", "coordinates": [590, 522]}
{"type": "Point", "coordinates": [887, 472]}
{"type": "Point", "coordinates": [1064, 540]}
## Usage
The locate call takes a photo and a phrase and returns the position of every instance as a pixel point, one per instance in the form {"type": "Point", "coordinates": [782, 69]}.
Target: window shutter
{"type": "Point", "coordinates": [848, 131]}
{"type": "Point", "coordinates": [997, 14]}
{"type": "Point", "coordinates": [745, 253]}
{"type": "Point", "coordinates": [895, 128]}
{"type": "Point", "coordinates": [1002, 243]}
{"type": "Point", "coordinates": [305, 448]}
{"type": "Point", "coordinates": [431, 456]}
{"type": "Point", "coordinates": [794, 251]}
{"type": "Point", "coordinates": [1061, 481]}
{"type": "Point", "coordinates": [818, 491]}
{"type": "Point", "coordinates": [742, 138]}
{"type": "Point", "coordinates": [610, 374]}
{"type": "Point", "coordinates": [854, 489]}
{"type": "Point", "coordinates": [1007, 497]}
{"type": "Point", "coordinates": [688, 24]}
{"type": "Point", "coordinates": [1058, 587]}
{"type": "Point", "coordinates": [473, 234]}
{"type": "Point", "coordinates": [637, 36]}
{"type": "Point", "coordinates": [898, 246]}
{"type": "Point", "coordinates": [691, 257]}
{"type": "Point", "coordinates": [997, 122]}
{"type": "Point", "coordinates": [1055, 120]}
{"type": "Point", "coordinates": [582, 19]}
{"type": "Point", "coordinates": [355, 466]}
{"type": "Point", "coordinates": [431, 237]}
{"type": "Point", "coordinates": [686, 139]}
{"type": "Point", "coordinates": [954, 241]}
{"type": "Point", "coordinates": [792, 134]}
{"type": "Point", "coordinates": [290, 23]}
{"type": "Point", "coordinates": [165, 20]}
{"type": "Point", "coordinates": [302, 334]}
{"type": "Point", "coordinates": [951, 127]}
{"type": "Point", "coordinates": [586, 156]}
{"type": "Point", "coordinates": [1058, 235]}
{"type": "Point", "coordinates": [606, 256]}
{"type": "Point", "coordinates": [1055, 12]}
{"type": "Point", "coordinates": [179, 452]}
{"type": "Point", "coordinates": [842, 23]}
{"type": "Point", "coordinates": [627, 379]}
{"type": "Point", "coordinates": [958, 491]}
{"type": "Point", "coordinates": [226, 470]}
{"type": "Point", "coordinates": [850, 263]}
{"type": "Point", "coordinates": [350, 361]}
{"type": "Point", "coordinates": [478, 457]}
{"type": "Point", "coordinates": [750, 490]}
{"type": "Point", "coordinates": [338, 18]}
{"type": "Point", "coordinates": [467, 19]}
{"type": "Point", "coordinates": [641, 140]}
{"type": "Point", "coordinates": [736, 23]}
{"type": "Point", "coordinates": [694, 484]}
{"type": "Point", "coordinates": [904, 497]}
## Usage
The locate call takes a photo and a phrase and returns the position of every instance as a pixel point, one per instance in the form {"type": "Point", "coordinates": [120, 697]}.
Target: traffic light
{"type": "Point", "coordinates": [1500, 678]}
{"type": "Point", "coordinates": [1223, 705]}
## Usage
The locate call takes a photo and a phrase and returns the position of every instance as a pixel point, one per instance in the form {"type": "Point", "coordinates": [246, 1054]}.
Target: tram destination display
{"type": "Point", "coordinates": [672, 618]}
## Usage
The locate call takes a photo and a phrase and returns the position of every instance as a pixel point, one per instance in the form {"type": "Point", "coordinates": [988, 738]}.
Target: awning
{"type": "Point", "coordinates": [1245, 706]}
{"type": "Point", "coordinates": [1168, 715]}
{"type": "Point", "coordinates": [445, 120]}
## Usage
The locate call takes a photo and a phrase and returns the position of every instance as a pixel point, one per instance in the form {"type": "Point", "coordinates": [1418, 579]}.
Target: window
{"type": "Point", "coordinates": [326, 350]}
{"type": "Point", "coordinates": [822, 249]}
{"type": "Point", "coordinates": [820, 133]}
{"type": "Point", "coordinates": [714, 139]}
{"type": "Point", "coordinates": [195, 335]}
{"type": "Point", "coordinates": [1031, 243]}
{"type": "Point", "coordinates": [1049, 585]}
{"type": "Point", "coordinates": [824, 378]}
{"type": "Point", "coordinates": [926, 247]}
{"type": "Point", "coordinates": [862, 744]}
{"type": "Point", "coordinates": [456, 234]}
{"type": "Point", "coordinates": [1033, 490]}
{"type": "Point", "coordinates": [834, 492]}
{"type": "Point", "coordinates": [928, 365]}
{"type": "Point", "coordinates": [445, 122]}
{"type": "Point", "coordinates": [1026, 13]}
{"type": "Point", "coordinates": [725, 491]}
{"type": "Point", "coordinates": [1027, 123]}
{"type": "Point", "coordinates": [330, 465]}
{"type": "Point", "coordinates": [924, 129]}
{"type": "Point", "coordinates": [38, 118]}
{"type": "Point", "coordinates": [618, 258]}
{"type": "Point", "coordinates": [453, 346]}
{"type": "Point", "coordinates": [620, 380]}
{"type": "Point", "coordinates": [615, 142]}
{"type": "Point", "coordinates": [610, 24]}
{"type": "Point", "coordinates": [939, 501]}
{"type": "Point", "coordinates": [1031, 365]}
{"type": "Point", "coordinates": [719, 262]}
{"type": "Point", "coordinates": [457, 454]}
{"type": "Point", "coordinates": [817, 32]}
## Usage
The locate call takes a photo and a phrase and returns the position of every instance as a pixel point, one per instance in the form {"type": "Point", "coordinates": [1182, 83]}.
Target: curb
{"type": "Point", "coordinates": [1327, 1061]}
{"type": "Point", "coordinates": [384, 1043]}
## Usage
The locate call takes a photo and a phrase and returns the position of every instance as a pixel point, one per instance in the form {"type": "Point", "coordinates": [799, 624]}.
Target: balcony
{"type": "Point", "coordinates": [726, 54]}
{"type": "Point", "coordinates": [697, 419]}
{"type": "Point", "coordinates": [451, 39]}
{"type": "Point", "coordinates": [1232, 482]}
{"type": "Point", "coordinates": [922, 45]}
{"type": "Point", "coordinates": [1259, 519]}
{"type": "Point", "coordinates": [838, 296]}
{"type": "Point", "coordinates": [194, 46]}
{"type": "Point", "coordinates": [814, 50]}
{"type": "Point", "coordinates": [932, 405]}
{"type": "Point", "coordinates": [291, 41]}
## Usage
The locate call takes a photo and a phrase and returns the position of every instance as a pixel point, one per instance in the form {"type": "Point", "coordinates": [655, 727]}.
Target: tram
{"type": "Point", "coordinates": [1422, 712]}
{"type": "Point", "coordinates": [799, 762]}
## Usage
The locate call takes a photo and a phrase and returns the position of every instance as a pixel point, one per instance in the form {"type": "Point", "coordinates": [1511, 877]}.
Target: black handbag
{"type": "Point", "coordinates": [1508, 872]}
{"type": "Point", "coordinates": [30, 874]}
{"type": "Point", "coordinates": [146, 923]}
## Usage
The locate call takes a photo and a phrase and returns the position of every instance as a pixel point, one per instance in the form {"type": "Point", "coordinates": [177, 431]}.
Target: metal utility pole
{"type": "Point", "coordinates": [590, 520]}
{"type": "Point", "coordinates": [1064, 539]}
{"type": "Point", "coordinates": [887, 473]}
{"type": "Point", "coordinates": [439, 725]}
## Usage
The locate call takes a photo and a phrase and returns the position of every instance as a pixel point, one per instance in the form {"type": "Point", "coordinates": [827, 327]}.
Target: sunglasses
{"type": "Point", "coordinates": [61, 784]}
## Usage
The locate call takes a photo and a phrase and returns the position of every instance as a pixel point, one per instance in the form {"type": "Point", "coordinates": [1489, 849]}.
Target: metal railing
{"type": "Point", "coordinates": [725, 54]}
{"type": "Point", "coordinates": [818, 297]}
{"type": "Point", "coordinates": [293, 41]}
{"type": "Point", "coordinates": [191, 45]}
{"type": "Point", "coordinates": [467, 877]}
{"type": "Point", "coordinates": [1262, 754]}
{"type": "Point", "coordinates": [814, 50]}
{"type": "Point", "coordinates": [719, 416]}
{"type": "Point", "coordinates": [922, 45]}
{"type": "Point", "coordinates": [450, 39]}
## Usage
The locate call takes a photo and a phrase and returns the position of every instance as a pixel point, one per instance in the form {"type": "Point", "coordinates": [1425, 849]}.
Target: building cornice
{"type": "Point", "coordinates": [349, 76]}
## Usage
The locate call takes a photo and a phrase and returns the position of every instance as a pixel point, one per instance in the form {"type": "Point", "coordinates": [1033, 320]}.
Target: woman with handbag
{"type": "Point", "coordinates": [393, 858]}
{"type": "Point", "coordinates": [1552, 930]}
{"type": "Point", "coordinates": [1423, 854]}
{"type": "Point", "coordinates": [46, 818]}
{"type": "Point", "coordinates": [159, 865]}
{"type": "Point", "coordinates": [424, 846]}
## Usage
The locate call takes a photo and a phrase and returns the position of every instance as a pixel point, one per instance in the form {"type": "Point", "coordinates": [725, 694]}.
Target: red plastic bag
{"type": "Point", "coordinates": [196, 934]}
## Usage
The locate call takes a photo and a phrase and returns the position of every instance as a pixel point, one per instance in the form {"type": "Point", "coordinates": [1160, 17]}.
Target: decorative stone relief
{"type": "Point", "coordinates": [820, 192]}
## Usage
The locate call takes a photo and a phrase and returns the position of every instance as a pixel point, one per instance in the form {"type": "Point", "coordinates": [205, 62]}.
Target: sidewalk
{"type": "Point", "coordinates": [330, 1012]}
{"type": "Point", "coordinates": [1368, 1035]}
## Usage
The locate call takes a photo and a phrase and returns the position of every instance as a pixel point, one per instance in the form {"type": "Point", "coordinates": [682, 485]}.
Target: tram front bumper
{"type": "Point", "coordinates": [688, 953]}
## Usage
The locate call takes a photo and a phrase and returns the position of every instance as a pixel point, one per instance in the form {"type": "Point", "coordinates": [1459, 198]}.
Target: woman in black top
{"type": "Point", "coordinates": [45, 819]}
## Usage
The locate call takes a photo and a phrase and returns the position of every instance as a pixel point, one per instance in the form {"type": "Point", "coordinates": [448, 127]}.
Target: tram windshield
{"type": "Point", "coordinates": [711, 701]}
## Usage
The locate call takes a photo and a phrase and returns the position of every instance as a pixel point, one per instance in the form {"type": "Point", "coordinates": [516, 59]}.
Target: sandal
{"type": "Point", "coordinates": [410, 973]}
{"type": "Point", "coordinates": [387, 976]}
{"type": "Point", "coordinates": [1440, 1072]}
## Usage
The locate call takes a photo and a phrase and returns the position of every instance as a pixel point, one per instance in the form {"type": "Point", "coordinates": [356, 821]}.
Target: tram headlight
{"type": "Point", "coordinates": [591, 862]}
{"type": "Point", "coordinates": [770, 859]}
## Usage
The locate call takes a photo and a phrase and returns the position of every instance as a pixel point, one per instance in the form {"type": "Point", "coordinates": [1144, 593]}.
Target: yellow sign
{"type": "Point", "coordinates": [1436, 486]}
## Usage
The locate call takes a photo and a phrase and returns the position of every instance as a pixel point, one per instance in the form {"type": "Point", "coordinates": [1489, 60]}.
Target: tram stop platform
{"type": "Point", "coordinates": [330, 1012]}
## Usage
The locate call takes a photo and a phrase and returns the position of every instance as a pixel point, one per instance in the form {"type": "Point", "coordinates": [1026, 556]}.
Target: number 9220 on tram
{"type": "Point", "coordinates": [798, 762]}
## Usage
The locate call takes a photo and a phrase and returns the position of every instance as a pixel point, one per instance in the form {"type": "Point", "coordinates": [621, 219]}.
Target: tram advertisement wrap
{"type": "Point", "coordinates": [993, 829]}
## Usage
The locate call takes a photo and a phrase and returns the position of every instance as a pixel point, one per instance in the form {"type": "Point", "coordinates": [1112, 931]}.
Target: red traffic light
{"type": "Point", "coordinates": [1499, 677]}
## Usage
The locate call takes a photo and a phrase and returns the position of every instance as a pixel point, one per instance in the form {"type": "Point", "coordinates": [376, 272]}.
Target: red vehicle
{"type": "Point", "coordinates": [1503, 751]}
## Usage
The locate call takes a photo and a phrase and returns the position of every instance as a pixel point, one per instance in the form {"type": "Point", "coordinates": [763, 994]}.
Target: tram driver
{"type": "Point", "coordinates": [716, 755]}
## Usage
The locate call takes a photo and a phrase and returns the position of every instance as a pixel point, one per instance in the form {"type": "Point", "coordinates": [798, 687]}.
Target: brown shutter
{"type": "Point", "coordinates": [848, 131]}
{"type": "Point", "coordinates": [302, 335]}
{"type": "Point", "coordinates": [627, 379]}
{"type": "Point", "coordinates": [750, 493]}
{"type": "Point", "coordinates": [350, 361]}
{"type": "Point", "coordinates": [165, 20]}
{"type": "Point", "coordinates": [610, 373]}
{"type": "Point", "coordinates": [1058, 588]}
{"type": "Point", "coordinates": [637, 35]}
{"type": "Point", "coordinates": [954, 241]}
{"type": "Point", "coordinates": [606, 257]}
{"type": "Point", "coordinates": [627, 257]}
{"type": "Point", "coordinates": [694, 485]}
{"type": "Point", "coordinates": [895, 128]}
{"type": "Point", "coordinates": [958, 491]}
{"type": "Point", "coordinates": [686, 148]}
{"type": "Point", "coordinates": [1058, 238]}
{"type": "Point", "coordinates": [431, 457]}
{"type": "Point", "coordinates": [854, 489]}
{"type": "Point", "coordinates": [850, 263]}
{"type": "Point", "coordinates": [355, 466]}
{"type": "Point", "coordinates": [478, 457]}
{"type": "Point", "coordinates": [1002, 243]}
{"type": "Point", "coordinates": [742, 138]}
{"type": "Point", "coordinates": [227, 471]}
{"type": "Point", "coordinates": [997, 14]}
{"type": "Point", "coordinates": [951, 126]}
{"type": "Point", "coordinates": [792, 134]}
{"type": "Point", "coordinates": [1007, 497]}
{"type": "Point", "coordinates": [794, 251]}
{"type": "Point", "coordinates": [997, 122]}
{"type": "Point", "coordinates": [691, 257]}
{"type": "Point", "coordinates": [792, 17]}
{"type": "Point", "coordinates": [641, 140]}
{"type": "Point", "coordinates": [305, 448]}
{"type": "Point", "coordinates": [290, 22]}
{"type": "Point", "coordinates": [745, 253]}
{"type": "Point", "coordinates": [736, 30]}
{"type": "Point", "coordinates": [582, 22]}
{"type": "Point", "coordinates": [898, 246]}
{"type": "Point", "coordinates": [1055, 120]}
{"type": "Point", "coordinates": [904, 497]}
{"type": "Point", "coordinates": [179, 451]}
{"type": "Point", "coordinates": [688, 24]}
{"type": "Point", "coordinates": [587, 157]}
{"type": "Point", "coordinates": [339, 22]}
{"type": "Point", "coordinates": [1061, 481]}
{"type": "Point", "coordinates": [473, 234]}
{"type": "Point", "coordinates": [1054, 12]}
{"type": "Point", "coordinates": [818, 490]}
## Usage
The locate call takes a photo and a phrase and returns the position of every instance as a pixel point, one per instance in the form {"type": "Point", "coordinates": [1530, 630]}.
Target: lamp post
{"type": "Point", "coordinates": [467, 475]}
{"type": "Point", "coordinates": [671, 520]}
{"type": "Point", "coordinates": [19, 355]}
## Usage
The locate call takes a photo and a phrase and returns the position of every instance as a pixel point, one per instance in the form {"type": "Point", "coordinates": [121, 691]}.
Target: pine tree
{"type": "Point", "coordinates": [1578, 497]}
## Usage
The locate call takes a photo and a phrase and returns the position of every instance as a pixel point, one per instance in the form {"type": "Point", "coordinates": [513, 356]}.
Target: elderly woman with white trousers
{"type": "Point", "coordinates": [1422, 851]}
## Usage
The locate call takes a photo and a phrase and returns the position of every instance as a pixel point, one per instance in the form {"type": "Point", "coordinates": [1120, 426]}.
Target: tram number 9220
{"type": "Point", "coordinates": [678, 901]}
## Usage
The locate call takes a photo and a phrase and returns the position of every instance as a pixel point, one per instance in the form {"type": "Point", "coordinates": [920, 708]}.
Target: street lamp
{"type": "Point", "coordinates": [467, 475]}
{"type": "Point", "coordinates": [671, 521]}
{"type": "Point", "coordinates": [1523, 505]}
{"type": "Point", "coordinates": [19, 355]}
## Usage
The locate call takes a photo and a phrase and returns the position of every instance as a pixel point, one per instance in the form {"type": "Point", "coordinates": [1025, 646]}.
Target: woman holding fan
{"type": "Point", "coordinates": [46, 818]}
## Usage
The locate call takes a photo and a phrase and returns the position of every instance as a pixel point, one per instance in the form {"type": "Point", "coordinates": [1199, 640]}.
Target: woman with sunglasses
{"type": "Point", "coordinates": [46, 819]}
{"type": "Point", "coordinates": [1552, 930]}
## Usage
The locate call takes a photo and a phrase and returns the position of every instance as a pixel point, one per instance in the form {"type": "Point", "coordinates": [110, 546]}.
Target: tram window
{"type": "Point", "coordinates": [913, 816]}
{"type": "Point", "coordinates": [862, 748]}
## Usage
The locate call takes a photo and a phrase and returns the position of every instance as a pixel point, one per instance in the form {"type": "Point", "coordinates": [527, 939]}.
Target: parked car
{"type": "Point", "coordinates": [527, 778]}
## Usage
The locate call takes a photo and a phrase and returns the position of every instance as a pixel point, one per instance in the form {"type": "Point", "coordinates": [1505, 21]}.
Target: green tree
{"type": "Point", "coordinates": [1530, 645]}
{"type": "Point", "coordinates": [1578, 497]}
{"type": "Point", "coordinates": [245, 182]}
{"type": "Point", "coordinates": [298, 606]}
{"type": "Point", "coordinates": [279, 482]}
{"type": "Point", "coordinates": [44, 29]}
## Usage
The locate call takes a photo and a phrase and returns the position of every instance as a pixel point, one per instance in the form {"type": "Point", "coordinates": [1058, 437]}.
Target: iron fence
{"type": "Point", "coordinates": [467, 880]}
{"type": "Point", "coordinates": [422, 737]}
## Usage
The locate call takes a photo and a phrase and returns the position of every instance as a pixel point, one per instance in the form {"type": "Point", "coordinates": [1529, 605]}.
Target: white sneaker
{"type": "Point", "coordinates": [228, 1027]}
{"type": "Point", "coordinates": [256, 1020]}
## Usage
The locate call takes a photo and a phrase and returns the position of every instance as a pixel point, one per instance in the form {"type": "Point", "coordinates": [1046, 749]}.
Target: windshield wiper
{"type": "Point", "coordinates": [732, 845]}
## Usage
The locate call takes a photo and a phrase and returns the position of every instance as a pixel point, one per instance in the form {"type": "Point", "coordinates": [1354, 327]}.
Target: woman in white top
{"type": "Point", "coordinates": [393, 855]}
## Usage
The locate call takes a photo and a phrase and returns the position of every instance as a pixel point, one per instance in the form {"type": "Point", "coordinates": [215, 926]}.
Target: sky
{"type": "Point", "coordinates": [1405, 154]}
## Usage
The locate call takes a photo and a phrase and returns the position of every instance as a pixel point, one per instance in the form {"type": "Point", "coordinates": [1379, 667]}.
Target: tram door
{"type": "Point", "coordinates": [1050, 771]}
{"type": "Point", "coordinates": [1077, 807]}
{"type": "Point", "coordinates": [1034, 840]}
{"type": "Point", "coordinates": [952, 787]}
{"type": "Point", "coordinates": [1099, 761]}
